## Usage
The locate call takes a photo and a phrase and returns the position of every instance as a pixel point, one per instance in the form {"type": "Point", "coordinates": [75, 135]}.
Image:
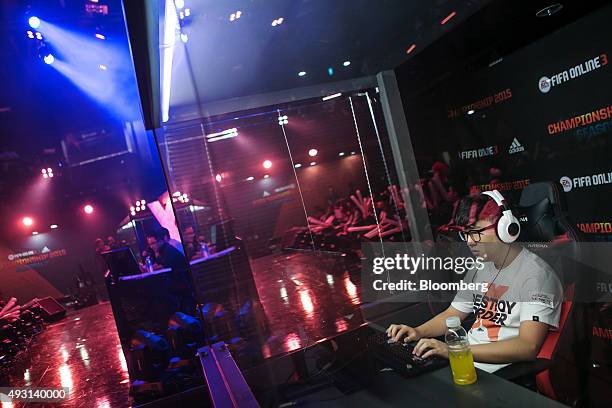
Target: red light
{"type": "Point", "coordinates": [27, 221]}
{"type": "Point", "coordinates": [267, 164]}
{"type": "Point", "coordinates": [88, 209]}
{"type": "Point", "coordinates": [411, 48]}
{"type": "Point", "coordinates": [446, 20]}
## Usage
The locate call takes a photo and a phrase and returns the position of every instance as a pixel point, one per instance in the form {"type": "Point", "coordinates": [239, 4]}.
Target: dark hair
{"type": "Point", "coordinates": [472, 209]}
{"type": "Point", "coordinates": [153, 234]}
{"type": "Point", "coordinates": [162, 233]}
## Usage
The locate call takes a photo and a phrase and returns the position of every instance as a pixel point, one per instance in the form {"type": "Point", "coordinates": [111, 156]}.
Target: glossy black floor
{"type": "Point", "coordinates": [306, 299]}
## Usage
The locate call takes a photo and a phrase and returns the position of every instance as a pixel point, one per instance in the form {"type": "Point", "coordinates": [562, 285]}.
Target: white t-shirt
{"type": "Point", "coordinates": [527, 289]}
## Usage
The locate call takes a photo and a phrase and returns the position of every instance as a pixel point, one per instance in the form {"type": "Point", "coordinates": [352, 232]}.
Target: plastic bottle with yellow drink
{"type": "Point", "coordinates": [459, 353]}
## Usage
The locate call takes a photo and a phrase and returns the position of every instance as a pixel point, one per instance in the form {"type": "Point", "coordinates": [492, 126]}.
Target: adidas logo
{"type": "Point", "coordinates": [516, 147]}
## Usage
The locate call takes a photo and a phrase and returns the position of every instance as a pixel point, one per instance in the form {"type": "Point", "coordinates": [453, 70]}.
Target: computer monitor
{"type": "Point", "coordinates": [121, 262]}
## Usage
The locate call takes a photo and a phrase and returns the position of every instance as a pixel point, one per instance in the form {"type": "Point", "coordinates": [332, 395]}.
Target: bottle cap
{"type": "Point", "coordinates": [453, 321]}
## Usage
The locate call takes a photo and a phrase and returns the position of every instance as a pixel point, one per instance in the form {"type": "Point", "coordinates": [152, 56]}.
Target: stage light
{"type": "Point", "coordinates": [100, 36]}
{"type": "Point", "coordinates": [298, 165]}
{"type": "Point", "coordinates": [330, 71]}
{"type": "Point", "coordinates": [179, 4]}
{"type": "Point", "coordinates": [142, 202]}
{"type": "Point", "coordinates": [38, 36]}
{"type": "Point", "coordinates": [346, 63]}
{"type": "Point", "coordinates": [267, 164]}
{"type": "Point", "coordinates": [235, 16]}
{"type": "Point", "coordinates": [411, 48]}
{"type": "Point", "coordinates": [470, 112]}
{"type": "Point", "coordinates": [35, 233]}
{"type": "Point", "coordinates": [225, 134]}
{"type": "Point", "coordinates": [266, 176]}
{"type": "Point", "coordinates": [187, 12]}
{"type": "Point", "coordinates": [88, 208]}
{"type": "Point", "coordinates": [341, 154]}
{"type": "Point", "coordinates": [102, 67]}
{"type": "Point", "coordinates": [313, 152]}
{"type": "Point", "coordinates": [132, 208]}
{"type": "Point", "coordinates": [283, 120]}
{"type": "Point", "coordinates": [328, 97]}
{"type": "Point", "coordinates": [277, 22]}
{"type": "Point", "coordinates": [49, 59]}
{"type": "Point", "coordinates": [352, 152]}
{"type": "Point", "coordinates": [27, 221]}
{"type": "Point", "coordinates": [447, 18]}
{"type": "Point", "coordinates": [34, 22]}
{"type": "Point", "coordinates": [30, 34]}
{"type": "Point", "coordinates": [250, 178]}
{"type": "Point", "coordinates": [53, 226]}
{"type": "Point", "coordinates": [184, 38]}
{"type": "Point", "coordinates": [218, 178]}
{"type": "Point", "coordinates": [302, 73]}
{"type": "Point", "coordinates": [313, 163]}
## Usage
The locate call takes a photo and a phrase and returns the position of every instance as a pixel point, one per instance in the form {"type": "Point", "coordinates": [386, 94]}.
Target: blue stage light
{"type": "Point", "coordinates": [34, 22]}
{"type": "Point", "coordinates": [49, 59]}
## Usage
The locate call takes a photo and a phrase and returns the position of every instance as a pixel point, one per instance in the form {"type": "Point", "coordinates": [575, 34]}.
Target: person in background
{"type": "Point", "coordinates": [111, 242]}
{"type": "Point", "coordinates": [166, 237]}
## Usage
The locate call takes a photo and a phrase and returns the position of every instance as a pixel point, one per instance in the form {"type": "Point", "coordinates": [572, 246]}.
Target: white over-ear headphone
{"type": "Point", "coordinates": [508, 226]}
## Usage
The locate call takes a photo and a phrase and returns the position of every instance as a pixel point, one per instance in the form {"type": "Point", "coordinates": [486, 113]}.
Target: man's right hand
{"type": "Point", "coordinates": [397, 331]}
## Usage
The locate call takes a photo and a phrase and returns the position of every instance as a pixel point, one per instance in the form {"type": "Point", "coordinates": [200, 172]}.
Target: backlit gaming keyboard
{"type": "Point", "coordinates": [399, 357]}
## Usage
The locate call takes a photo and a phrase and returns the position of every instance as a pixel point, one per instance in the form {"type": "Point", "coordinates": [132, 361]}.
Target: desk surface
{"type": "Point", "coordinates": [433, 389]}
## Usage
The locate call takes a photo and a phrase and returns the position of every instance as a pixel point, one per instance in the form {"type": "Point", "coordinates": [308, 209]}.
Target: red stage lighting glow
{"type": "Point", "coordinates": [88, 209]}
{"type": "Point", "coordinates": [267, 164]}
{"type": "Point", "coordinates": [447, 18]}
{"type": "Point", "coordinates": [27, 221]}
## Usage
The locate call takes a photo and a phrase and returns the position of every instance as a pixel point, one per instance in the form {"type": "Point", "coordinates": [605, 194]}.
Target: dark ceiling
{"type": "Point", "coordinates": [248, 56]}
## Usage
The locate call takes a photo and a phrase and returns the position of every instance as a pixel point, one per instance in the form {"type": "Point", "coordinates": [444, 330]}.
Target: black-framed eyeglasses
{"type": "Point", "coordinates": [474, 234]}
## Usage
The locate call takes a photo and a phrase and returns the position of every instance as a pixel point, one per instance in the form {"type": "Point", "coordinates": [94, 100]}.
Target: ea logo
{"type": "Point", "coordinates": [544, 84]}
{"type": "Point", "coordinates": [566, 183]}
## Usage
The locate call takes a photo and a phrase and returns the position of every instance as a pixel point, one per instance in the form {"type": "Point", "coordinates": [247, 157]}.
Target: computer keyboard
{"type": "Point", "coordinates": [399, 357]}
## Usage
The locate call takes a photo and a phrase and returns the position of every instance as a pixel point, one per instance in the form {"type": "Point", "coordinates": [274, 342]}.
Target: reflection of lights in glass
{"type": "Point", "coordinates": [351, 290]}
{"type": "Point", "coordinates": [102, 403]}
{"type": "Point", "coordinates": [65, 376]}
{"type": "Point", "coordinates": [306, 301]}
{"type": "Point", "coordinates": [121, 358]}
{"type": "Point", "coordinates": [292, 342]}
{"type": "Point", "coordinates": [84, 356]}
{"type": "Point", "coordinates": [341, 325]}
{"type": "Point", "coordinates": [283, 293]}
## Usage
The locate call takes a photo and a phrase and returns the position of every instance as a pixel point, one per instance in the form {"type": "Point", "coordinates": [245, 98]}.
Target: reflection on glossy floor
{"type": "Point", "coordinates": [306, 299]}
{"type": "Point", "coordinates": [81, 352]}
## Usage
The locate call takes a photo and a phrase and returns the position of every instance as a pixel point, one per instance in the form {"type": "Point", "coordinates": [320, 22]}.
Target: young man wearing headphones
{"type": "Point", "coordinates": [522, 301]}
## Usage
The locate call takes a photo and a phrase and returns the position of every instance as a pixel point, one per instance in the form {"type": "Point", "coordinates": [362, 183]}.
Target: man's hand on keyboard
{"type": "Point", "coordinates": [397, 331]}
{"type": "Point", "coordinates": [431, 347]}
